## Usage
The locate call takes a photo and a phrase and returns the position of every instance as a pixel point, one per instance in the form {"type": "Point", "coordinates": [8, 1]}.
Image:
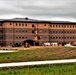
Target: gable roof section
{"type": "Point", "coordinates": [62, 22]}
{"type": "Point", "coordinates": [36, 21]}
{"type": "Point", "coordinates": [26, 20]}
{"type": "Point", "coordinates": [1, 20]}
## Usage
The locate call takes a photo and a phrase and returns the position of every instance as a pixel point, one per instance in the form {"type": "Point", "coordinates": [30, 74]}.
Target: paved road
{"type": "Point", "coordinates": [37, 63]}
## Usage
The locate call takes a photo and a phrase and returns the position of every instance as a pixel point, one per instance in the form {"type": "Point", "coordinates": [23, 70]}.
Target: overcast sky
{"type": "Point", "coordinates": [39, 9]}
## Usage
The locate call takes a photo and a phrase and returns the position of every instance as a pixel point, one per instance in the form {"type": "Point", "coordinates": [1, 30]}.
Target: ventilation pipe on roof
{"type": "Point", "coordinates": [26, 18]}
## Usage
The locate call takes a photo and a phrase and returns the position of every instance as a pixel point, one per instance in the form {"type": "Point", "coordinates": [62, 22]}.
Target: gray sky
{"type": "Point", "coordinates": [39, 9]}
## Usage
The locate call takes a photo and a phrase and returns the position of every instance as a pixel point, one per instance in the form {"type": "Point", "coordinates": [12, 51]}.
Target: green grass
{"type": "Point", "coordinates": [62, 69]}
{"type": "Point", "coordinates": [39, 54]}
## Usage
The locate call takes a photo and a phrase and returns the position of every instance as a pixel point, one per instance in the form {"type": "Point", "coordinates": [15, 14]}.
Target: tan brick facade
{"type": "Point", "coordinates": [16, 32]}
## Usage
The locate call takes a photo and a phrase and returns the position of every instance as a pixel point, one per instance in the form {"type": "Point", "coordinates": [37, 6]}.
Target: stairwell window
{"type": "Point", "coordinates": [32, 25]}
{"type": "Point", "coordinates": [33, 32]}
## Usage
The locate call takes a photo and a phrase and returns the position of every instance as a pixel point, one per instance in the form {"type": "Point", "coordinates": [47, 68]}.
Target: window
{"type": "Point", "coordinates": [32, 25]}
{"type": "Point", "coordinates": [59, 37]}
{"type": "Point", "coordinates": [62, 25]}
{"type": "Point", "coordinates": [38, 37]}
{"type": "Point", "coordinates": [26, 37]}
{"type": "Point", "coordinates": [25, 24]}
{"type": "Point", "coordinates": [44, 31]}
{"type": "Point", "coordinates": [22, 30]}
{"type": "Point", "coordinates": [50, 25]}
{"type": "Point", "coordinates": [56, 25]}
{"type": "Point", "coordinates": [45, 36]}
{"type": "Point", "coordinates": [33, 32]}
{"type": "Point", "coordinates": [0, 30]}
{"type": "Point", "coordinates": [65, 26]}
{"type": "Point", "coordinates": [59, 31]}
{"type": "Point", "coordinates": [10, 43]}
{"type": "Point", "coordinates": [22, 24]}
{"type": "Point", "coordinates": [73, 37]}
{"type": "Point", "coordinates": [0, 37]}
{"type": "Point", "coordinates": [53, 31]}
{"type": "Point", "coordinates": [16, 24]}
{"type": "Point", "coordinates": [26, 31]}
{"type": "Point", "coordinates": [73, 31]}
{"type": "Point", "coordinates": [22, 37]}
{"type": "Point", "coordinates": [56, 32]}
{"type": "Point", "coordinates": [44, 24]}
{"type": "Point", "coordinates": [73, 26]}
{"type": "Point", "coordinates": [0, 24]}
{"type": "Point", "coordinates": [50, 31]}
{"type": "Point", "coordinates": [50, 37]}
{"type": "Point", "coordinates": [16, 37]}
{"type": "Point", "coordinates": [10, 23]}
{"type": "Point", "coordinates": [19, 37]}
{"type": "Point", "coordinates": [62, 37]}
{"type": "Point", "coordinates": [70, 26]}
{"type": "Point", "coordinates": [53, 25]}
{"type": "Point", "coordinates": [53, 37]}
{"type": "Point", "coordinates": [19, 24]}
{"type": "Point", "coordinates": [70, 32]}
{"type": "Point", "coordinates": [56, 37]}
{"type": "Point", "coordinates": [62, 31]}
{"type": "Point", "coordinates": [10, 30]}
{"type": "Point", "coordinates": [67, 31]}
{"type": "Point", "coordinates": [16, 30]}
{"type": "Point", "coordinates": [59, 26]}
{"type": "Point", "coordinates": [19, 30]}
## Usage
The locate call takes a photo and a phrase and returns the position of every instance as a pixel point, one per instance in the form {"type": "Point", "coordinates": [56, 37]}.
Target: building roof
{"type": "Point", "coordinates": [62, 22]}
{"type": "Point", "coordinates": [33, 20]}
{"type": "Point", "coordinates": [1, 19]}
{"type": "Point", "coordinates": [25, 20]}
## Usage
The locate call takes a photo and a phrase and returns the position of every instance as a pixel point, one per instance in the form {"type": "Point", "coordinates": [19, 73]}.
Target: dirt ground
{"type": "Point", "coordinates": [24, 48]}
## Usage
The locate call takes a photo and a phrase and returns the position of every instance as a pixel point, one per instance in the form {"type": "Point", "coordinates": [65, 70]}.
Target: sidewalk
{"type": "Point", "coordinates": [7, 51]}
{"type": "Point", "coordinates": [37, 63]}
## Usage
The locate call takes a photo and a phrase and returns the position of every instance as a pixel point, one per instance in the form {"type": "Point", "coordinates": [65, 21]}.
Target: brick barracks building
{"type": "Point", "coordinates": [18, 31]}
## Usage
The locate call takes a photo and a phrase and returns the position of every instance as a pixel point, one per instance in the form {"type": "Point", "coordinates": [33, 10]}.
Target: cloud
{"type": "Point", "coordinates": [39, 8]}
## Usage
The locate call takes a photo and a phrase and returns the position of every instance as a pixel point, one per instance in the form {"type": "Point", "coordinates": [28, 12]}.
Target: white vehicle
{"type": "Point", "coordinates": [47, 44]}
{"type": "Point", "coordinates": [54, 44]}
{"type": "Point", "coordinates": [68, 45]}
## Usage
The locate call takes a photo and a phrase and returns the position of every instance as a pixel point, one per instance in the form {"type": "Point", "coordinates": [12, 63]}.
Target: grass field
{"type": "Point", "coordinates": [62, 69]}
{"type": "Point", "coordinates": [39, 54]}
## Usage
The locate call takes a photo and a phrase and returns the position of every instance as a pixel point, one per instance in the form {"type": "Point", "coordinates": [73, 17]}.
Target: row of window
{"type": "Point", "coordinates": [23, 24]}
{"type": "Point", "coordinates": [51, 37]}
{"type": "Point", "coordinates": [47, 32]}
{"type": "Point", "coordinates": [63, 26]}
{"type": "Point", "coordinates": [51, 32]}
{"type": "Point", "coordinates": [62, 37]}
{"type": "Point", "coordinates": [52, 25]}
{"type": "Point", "coordinates": [62, 31]}
{"type": "Point", "coordinates": [21, 37]}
